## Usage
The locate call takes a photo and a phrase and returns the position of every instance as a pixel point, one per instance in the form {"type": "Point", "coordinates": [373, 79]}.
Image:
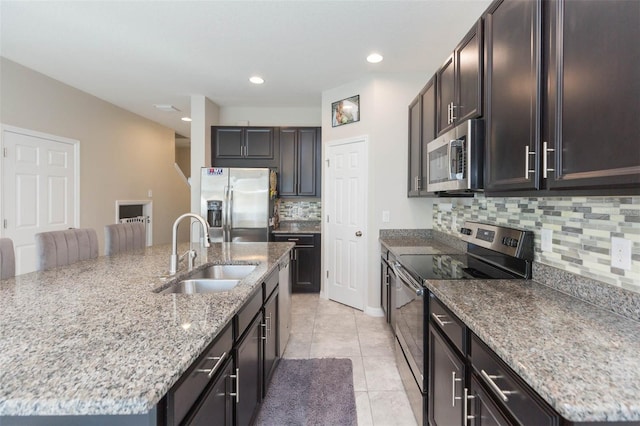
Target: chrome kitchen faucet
{"type": "Point", "coordinates": [173, 266]}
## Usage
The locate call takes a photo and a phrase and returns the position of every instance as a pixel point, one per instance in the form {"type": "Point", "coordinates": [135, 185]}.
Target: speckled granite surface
{"type": "Point", "coordinates": [582, 359]}
{"type": "Point", "coordinates": [93, 338]}
{"type": "Point", "coordinates": [298, 226]}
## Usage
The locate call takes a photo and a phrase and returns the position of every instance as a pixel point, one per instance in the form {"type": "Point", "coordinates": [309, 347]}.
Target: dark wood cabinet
{"type": "Point", "coordinates": [244, 146]}
{"type": "Point", "coordinates": [512, 87]}
{"type": "Point", "coordinates": [446, 382]}
{"type": "Point", "coordinates": [270, 338]}
{"type": "Point", "coordinates": [305, 261]}
{"type": "Point", "coordinates": [218, 402]}
{"type": "Point", "coordinates": [248, 356]}
{"type": "Point", "coordinates": [592, 101]}
{"type": "Point", "coordinates": [459, 82]}
{"type": "Point", "coordinates": [422, 117]}
{"type": "Point", "coordinates": [299, 171]}
{"type": "Point", "coordinates": [482, 409]}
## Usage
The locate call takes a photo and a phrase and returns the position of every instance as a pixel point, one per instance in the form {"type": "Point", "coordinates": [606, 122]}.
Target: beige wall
{"type": "Point", "coordinates": [384, 101]}
{"type": "Point", "coordinates": [122, 155]}
{"type": "Point", "coordinates": [256, 116]}
{"type": "Point", "coordinates": [183, 159]}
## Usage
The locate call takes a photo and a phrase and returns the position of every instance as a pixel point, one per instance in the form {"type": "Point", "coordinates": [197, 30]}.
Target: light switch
{"type": "Point", "coordinates": [149, 193]}
{"type": "Point", "coordinates": [385, 216]}
{"type": "Point", "coordinates": [621, 253]}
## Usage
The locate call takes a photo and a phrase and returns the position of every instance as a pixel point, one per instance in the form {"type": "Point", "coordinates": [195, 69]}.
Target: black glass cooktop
{"type": "Point", "coordinates": [451, 267]}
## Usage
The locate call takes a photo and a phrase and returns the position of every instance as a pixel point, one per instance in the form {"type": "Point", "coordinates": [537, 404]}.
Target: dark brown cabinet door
{"type": "Point", "coordinates": [305, 261]}
{"type": "Point", "coordinates": [468, 59]}
{"type": "Point", "coordinates": [482, 409]}
{"type": "Point", "coordinates": [446, 382]}
{"type": "Point", "coordinates": [428, 95]}
{"type": "Point", "coordinates": [445, 78]}
{"type": "Point", "coordinates": [249, 372]}
{"type": "Point", "coordinates": [512, 46]}
{"type": "Point", "coordinates": [270, 334]}
{"type": "Point", "coordinates": [299, 173]}
{"type": "Point", "coordinates": [287, 174]}
{"type": "Point", "coordinates": [307, 162]}
{"type": "Point", "coordinates": [384, 289]}
{"type": "Point", "coordinates": [258, 142]}
{"type": "Point", "coordinates": [217, 406]}
{"type": "Point", "coordinates": [415, 130]}
{"type": "Point", "coordinates": [228, 142]}
{"type": "Point", "coordinates": [593, 95]}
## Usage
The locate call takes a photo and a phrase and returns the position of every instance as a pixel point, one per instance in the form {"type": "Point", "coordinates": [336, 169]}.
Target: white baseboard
{"type": "Point", "coordinates": [374, 312]}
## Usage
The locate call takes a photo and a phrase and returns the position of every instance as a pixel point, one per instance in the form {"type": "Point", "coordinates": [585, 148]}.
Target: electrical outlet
{"type": "Point", "coordinates": [621, 253]}
{"type": "Point", "coordinates": [385, 216]}
{"type": "Point", "coordinates": [546, 240]}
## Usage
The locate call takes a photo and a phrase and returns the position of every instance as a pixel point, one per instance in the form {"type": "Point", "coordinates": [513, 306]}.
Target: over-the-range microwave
{"type": "Point", "coordinates": [455, 159]}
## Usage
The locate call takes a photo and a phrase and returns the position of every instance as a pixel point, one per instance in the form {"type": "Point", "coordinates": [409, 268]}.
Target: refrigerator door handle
{"type": "Point", "coordinates": [225, 215]}
{"type": "Point", "coordinates": [230, 216]}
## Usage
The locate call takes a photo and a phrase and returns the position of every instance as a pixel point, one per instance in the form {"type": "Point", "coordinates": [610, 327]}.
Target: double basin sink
{"type": "Point", "coordinates": [212, 279]}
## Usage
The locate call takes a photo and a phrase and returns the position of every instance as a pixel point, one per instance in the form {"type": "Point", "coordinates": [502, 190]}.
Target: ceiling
{"type": "Point", "coordinates": [135, 54]}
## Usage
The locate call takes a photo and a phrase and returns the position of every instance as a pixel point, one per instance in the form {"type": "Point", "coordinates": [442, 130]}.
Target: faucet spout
{"type": "Point", "coordinates": [173, 266]}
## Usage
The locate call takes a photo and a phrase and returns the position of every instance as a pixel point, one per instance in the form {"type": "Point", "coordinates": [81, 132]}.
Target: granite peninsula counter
{"type": "Point", "coordinates": [94, 338]}
{"type": "Point", "coordinates": [582, 359]}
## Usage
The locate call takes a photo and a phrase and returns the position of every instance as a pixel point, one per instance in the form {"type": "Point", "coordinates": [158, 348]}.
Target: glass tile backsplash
{"type": "Point", "coordinates": [582, 228]}
{"type": "Point", "coordinates": [299, 210]}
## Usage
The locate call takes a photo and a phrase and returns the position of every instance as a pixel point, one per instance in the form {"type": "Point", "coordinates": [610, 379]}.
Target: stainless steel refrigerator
{"type": "Point", "coordinates": [236, 203]}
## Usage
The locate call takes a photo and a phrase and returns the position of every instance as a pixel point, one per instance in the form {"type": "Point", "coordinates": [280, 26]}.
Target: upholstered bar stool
{"type": "Point", "coordinates": [60, 248]}
{"type": "Point", "coordinates": [7, 259]}
{"type": "Point", "coordinates": [122, 237]}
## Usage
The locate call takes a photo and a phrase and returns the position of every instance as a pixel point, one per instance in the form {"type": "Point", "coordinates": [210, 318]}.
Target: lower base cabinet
{"type": "Point", "coordinates": [305, 261]}
{"type": "Point", "coordinates": [217, 406]}
{"type": "Point", "coordinates": [446, 382]}
{"type": "Point", "coordinates": [482, 410]}
{"type": "Point", "coordinates": [270, 336]}
{"type": "Point", "coordinates": [249, 373]}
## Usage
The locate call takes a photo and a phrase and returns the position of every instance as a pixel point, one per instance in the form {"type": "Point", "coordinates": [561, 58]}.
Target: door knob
{"type": "Point", "coordinates": [359, 234]}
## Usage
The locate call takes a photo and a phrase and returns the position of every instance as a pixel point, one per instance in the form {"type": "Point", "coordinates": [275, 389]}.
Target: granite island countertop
{"type": "Point", "coordinates": [582, 359]}
{"type": "Point", "coordinates": [93, 338]}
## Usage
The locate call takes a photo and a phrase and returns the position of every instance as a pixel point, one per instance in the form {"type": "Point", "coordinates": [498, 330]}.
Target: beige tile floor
{"type": "Point", "coordinates": [323, 328]}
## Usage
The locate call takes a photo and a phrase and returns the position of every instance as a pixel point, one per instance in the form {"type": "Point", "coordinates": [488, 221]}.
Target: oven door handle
{"type": "Point", "coordinates": [407, 280]}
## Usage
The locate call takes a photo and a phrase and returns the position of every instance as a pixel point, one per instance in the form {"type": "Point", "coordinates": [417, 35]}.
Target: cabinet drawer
{"type": "Point", "coordinates": [507, 388]}
{"type": "Point", "coordinates": [186, 392]}
{"type": "Point", "coordinates": [247, 313]}
{"type": "Point", "coordinates": [271, 283]}
{"type": "Point", "coordinates": [299, 239]}
{"type": "Point", "coordinates": [450, 325]}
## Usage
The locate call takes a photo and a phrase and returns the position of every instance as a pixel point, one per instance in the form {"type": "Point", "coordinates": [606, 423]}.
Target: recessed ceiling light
{"type": "Point", "coordinates": [374, 58]}
{"type": "Point", "coordinates": [186, 119]}
{"type": "Point", "coordinates": [166, 107]}
{"type": "Point", "coordinates": [256, 80]}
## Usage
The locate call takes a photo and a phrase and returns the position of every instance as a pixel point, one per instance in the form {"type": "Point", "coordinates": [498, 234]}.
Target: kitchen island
{"type": "Point", "coordinates": [580, 358]}
{"type": "Point", "coordinates": [95, 339]}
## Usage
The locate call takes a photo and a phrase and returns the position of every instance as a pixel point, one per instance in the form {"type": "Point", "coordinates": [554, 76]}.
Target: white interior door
{"type": "Point", "coordinates": [39, 189]}
{"type": "Point", "coordinates": [346, 208]}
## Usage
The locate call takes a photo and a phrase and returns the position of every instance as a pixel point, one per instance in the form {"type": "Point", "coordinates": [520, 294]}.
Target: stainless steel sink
{"type": "Point", "coordinates": [236, 272]}
{"type": "Point", "coordinates": [202, 285]}
{"type": "Point", "coordinates": [212, 279]}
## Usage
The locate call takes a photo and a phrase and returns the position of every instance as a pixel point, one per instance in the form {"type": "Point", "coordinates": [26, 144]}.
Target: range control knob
{"type": "Point", "coordinates": [465, 231]}
{"type": "Point", "coordinates": [513, 242]}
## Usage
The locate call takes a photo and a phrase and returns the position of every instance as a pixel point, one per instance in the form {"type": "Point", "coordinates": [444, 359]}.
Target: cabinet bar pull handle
{"type": "Point", "coordinates": [527, 153]}
{"type": "Point", "coordinates": [293, 239]}
{"type": "Point", "coordinates": [453, 113]}
{"type": "Point", "coordinates": [454, 379]}
{"type": "Point", "coordinates": [545, 159]}
{"type": "Point", "coordinates": [264, 331]}
{"type": "Point", "coordinates": [237, 392]}
{"type": "Point", "coordinates": [437, 317]}
{"type": "Point", "coordinates": [465, 407]}
{"type": "Point", "coordinates": [501, 393]}
{"type": "Point", "coordinates": [211, 372]}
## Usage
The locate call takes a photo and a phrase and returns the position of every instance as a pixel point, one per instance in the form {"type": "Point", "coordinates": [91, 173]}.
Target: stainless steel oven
{"type": "Point", "coordinates": [493, 252]}
{"type": "Point", "coordinates": [454, 160]}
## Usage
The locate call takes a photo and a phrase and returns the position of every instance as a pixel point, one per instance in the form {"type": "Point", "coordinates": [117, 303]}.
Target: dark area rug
{"type": "Point", "coordinates": [310, 392]}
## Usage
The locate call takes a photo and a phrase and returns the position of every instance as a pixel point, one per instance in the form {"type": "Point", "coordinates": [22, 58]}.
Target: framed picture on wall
{"type": "Point", "coordinates": [345, 111]}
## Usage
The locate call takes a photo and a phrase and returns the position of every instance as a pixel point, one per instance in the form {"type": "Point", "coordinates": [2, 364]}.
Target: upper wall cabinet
{"type": "Point", "coordinates": [459, 82]}
{"type": "Point", "coordinates": [244, 146]}
{"type": "Point", "coordinates": [299, 171]}
{"type": "Point", "coordinates": [512, 90]}
{"type": "Point", "coordinates": [591, 133]}
{"type": "Point", "coordinates": [422, 125]}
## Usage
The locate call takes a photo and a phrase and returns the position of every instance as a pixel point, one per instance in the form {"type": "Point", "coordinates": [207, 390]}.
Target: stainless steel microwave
{"type": "Point", "coordinates": [455, 159]}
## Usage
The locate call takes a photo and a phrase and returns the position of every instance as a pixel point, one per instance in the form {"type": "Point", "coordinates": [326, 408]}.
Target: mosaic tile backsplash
{"type": "Point", "coordinates": [582, 229]}
{"type": "Point", "coordinates": [299, 210]}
